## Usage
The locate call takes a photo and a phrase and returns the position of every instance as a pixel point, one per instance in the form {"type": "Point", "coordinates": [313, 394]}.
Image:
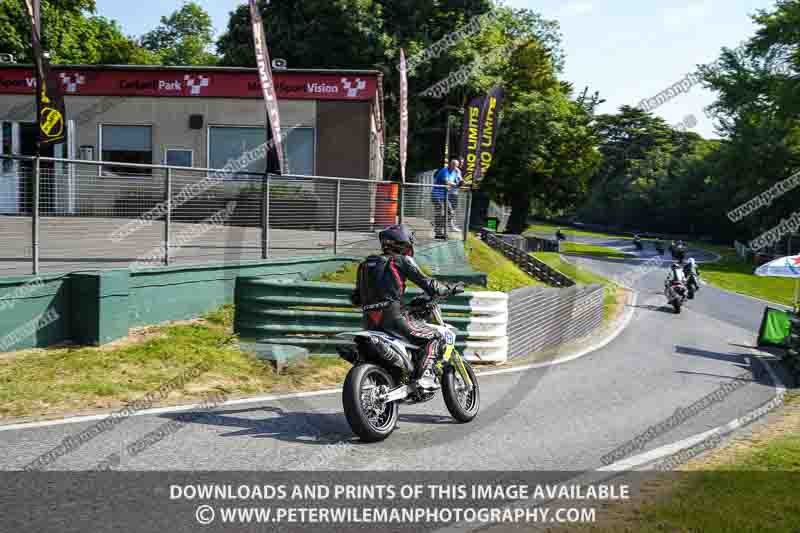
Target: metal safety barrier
{"type": "Point", "coordinates": [526, 262]}
{"type": "Point", "coordinates": [62, 215]}
{"type": "Point", "coordinates": [310, 314]}
{"type": "Point", "coordinates": [543, 318]}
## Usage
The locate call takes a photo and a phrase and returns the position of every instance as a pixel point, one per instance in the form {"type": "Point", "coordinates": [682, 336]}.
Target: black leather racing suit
{"type": "Point", "coordinates": [692, 277]}
{"type": "Point", "coordinates": [380, 286]}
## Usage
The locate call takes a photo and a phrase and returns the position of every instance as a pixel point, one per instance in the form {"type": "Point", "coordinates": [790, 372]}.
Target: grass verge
{"type": "Point", "coordinates": [503, 275]}
{"type": "Point", "coordinates": [593, 250]}
{"type": "Point", "coordinates": [731, 273]}
{"type": "Point", "coordinates": [748, 485]}
{"type": "Point", "coordinates": [567, 230]}
{"type": "Point", "coordinates": [34, 383]}
{"type": "Point", "coordinates": [734, 274]}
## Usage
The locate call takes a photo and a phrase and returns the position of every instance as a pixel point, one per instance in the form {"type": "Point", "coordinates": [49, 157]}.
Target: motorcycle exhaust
{"type": "Point", "coordinates": [381, 351]}
{"type": "Point", "coordinates": [349, 354]}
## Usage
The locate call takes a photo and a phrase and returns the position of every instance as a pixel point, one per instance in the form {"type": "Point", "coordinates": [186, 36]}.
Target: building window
{"type": "Point", "coordinates": [178, 157]}
{"type": "Point", "coordinates": [298, 151]}
{"type": "Point", "coordinates": [236, 146]}
{"type": "Point", "coordinates": [228, 145]}
{"type": "Point", "coordinates": [126, 144]}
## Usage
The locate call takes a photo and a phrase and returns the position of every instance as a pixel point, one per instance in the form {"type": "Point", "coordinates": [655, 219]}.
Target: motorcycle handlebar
{"type": "Point", "coordinates": [458, 288]}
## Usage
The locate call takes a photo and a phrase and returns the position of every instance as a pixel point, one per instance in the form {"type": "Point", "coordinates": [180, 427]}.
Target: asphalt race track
{"type": "Point", "coordinates": [562, 417]}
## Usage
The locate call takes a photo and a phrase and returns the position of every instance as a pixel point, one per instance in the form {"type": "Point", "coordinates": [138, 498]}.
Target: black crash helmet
{"type": "Point", "coordinates": [397, 239]}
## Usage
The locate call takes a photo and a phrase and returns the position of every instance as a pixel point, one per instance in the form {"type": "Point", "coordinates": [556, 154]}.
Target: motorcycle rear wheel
{"type": "Point", "coordinates": [462, 404]}
{"type": "Point", "coordinates": [369, 419]}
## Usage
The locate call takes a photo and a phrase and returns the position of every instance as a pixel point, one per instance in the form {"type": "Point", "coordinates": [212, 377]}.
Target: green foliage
{"type": "Point", "coordinates": [369, 34]}
{"type": "Point", "coordinates": [70, 33]}
{"type": "Point", "coordinates": [655, 178]}
{"type": "Point", "coordinates": [309, 34]}
{"type": "Point", "coordinates": [183, 38]}
{"type": "Point", "coordinates": [547, 151]}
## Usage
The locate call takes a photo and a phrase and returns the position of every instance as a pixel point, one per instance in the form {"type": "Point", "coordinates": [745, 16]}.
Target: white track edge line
{"type": "Point", "coordinates": [275, 397]}
{"type": "Point", "coordinates": [609, 471]}
{"type": "Point", "coordinates": [723, 430]}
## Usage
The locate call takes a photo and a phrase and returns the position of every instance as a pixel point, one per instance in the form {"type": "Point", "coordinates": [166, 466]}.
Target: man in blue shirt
{"type": "Point", "coordinates": [453, 194]}
{"type": "Point", "coordinates": [447, 176]}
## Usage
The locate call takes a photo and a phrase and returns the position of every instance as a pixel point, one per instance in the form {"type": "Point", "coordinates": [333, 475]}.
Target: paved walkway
{"type": "Point", "coordinates": [81, 243]}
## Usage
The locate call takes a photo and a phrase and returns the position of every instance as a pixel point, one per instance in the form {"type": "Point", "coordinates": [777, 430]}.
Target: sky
{"type": "Point", "coordinates": [625, 49]}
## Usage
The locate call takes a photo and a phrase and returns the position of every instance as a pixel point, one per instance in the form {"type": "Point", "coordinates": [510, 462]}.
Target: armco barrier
{"type": "Point", "coordinates": [543, 317]}
{"type": "Point", "coordinates": [526, 262]}
{"type": "Point", "coordinates": [531, 244]}
{"type": "Point", "coordinates": [310, 314]}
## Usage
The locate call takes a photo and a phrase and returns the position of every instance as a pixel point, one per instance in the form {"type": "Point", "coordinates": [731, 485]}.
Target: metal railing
{"type": "Point", "coordinates": [526, 262]}
{"type": "Point", "coordinates": [62, 215]}
{"type": "Point", "coordinates": [543, 318]}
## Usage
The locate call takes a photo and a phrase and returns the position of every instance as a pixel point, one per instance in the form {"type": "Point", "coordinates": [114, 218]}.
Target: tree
{"type": "Point", "coordinates": [70, 33]}
{"type": "Point", "coordinates": [309, 34]}
{"type": "Point", "coordinates": [546, 154]}
{"type": "Point", "coordinates": [758, 111]}
{"type": "Point", "coordinates": [183, 38]}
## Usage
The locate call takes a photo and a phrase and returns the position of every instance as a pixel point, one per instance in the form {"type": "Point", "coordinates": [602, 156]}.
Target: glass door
{"type": "Point", "coordinates": [9, 170]}
{"type": "Point", "coordinates": [57, 182]}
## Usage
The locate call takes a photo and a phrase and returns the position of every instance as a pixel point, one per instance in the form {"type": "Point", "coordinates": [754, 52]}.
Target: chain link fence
{"type": "Point", "coordinates": [60, 215]}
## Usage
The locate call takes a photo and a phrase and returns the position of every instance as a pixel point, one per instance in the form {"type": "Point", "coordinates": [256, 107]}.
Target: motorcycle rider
{"type": "Point", "coordinates": [637, 241]}
{"type": "Point", "coordinates": [380, 286]}
{"type": "Point", "coordinates": [692, 275]}
{"type": "Point", "coordinates": [675, 274]}
{"type": "Point", "coordinates": [680, 251]}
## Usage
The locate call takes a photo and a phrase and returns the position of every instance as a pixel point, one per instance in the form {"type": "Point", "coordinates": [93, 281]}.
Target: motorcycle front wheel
{"type": "Point", "coordinates": [369, 418]}
{"type": "Point", "coordinates": [462, 402]}
{"type": "Point", "coordinates": [677, 305]}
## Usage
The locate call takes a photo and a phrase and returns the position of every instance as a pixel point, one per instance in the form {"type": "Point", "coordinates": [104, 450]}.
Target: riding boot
{"type": "Point", "coordinates": [426, 377]}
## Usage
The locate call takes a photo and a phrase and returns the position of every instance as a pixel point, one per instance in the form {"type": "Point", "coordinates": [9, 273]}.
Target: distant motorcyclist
{"type": "Point", "coordinates": [560, 235]}
{"type": "Point", "coordinates": [692, 274]}
{"type": "Point", "coordinates": [675, 275]}
{"type": "Point", "coordinates": [680, 251]}
{"type": "Point", "coordinates": [637, 241]}
{"type": "Point", "coordinates": [380, 286]}
{"type": "Point", "coordinates": [675, 287]}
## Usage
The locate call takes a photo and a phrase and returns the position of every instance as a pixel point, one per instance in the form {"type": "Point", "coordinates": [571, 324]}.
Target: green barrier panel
{"type": "Point", "coordinates": [310, 314]}
{"type": "Point", "coordinates": [775, 328]}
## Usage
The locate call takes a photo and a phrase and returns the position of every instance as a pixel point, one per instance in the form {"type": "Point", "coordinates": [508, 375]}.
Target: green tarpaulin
{"type": "Point", "coordinates": [775, 327]}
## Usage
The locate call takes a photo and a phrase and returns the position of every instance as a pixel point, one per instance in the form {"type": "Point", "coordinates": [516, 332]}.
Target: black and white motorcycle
{"type": "Point", "coordinates": [676, 294]}
{"type": "Point", "coordinates": [383, 367]}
